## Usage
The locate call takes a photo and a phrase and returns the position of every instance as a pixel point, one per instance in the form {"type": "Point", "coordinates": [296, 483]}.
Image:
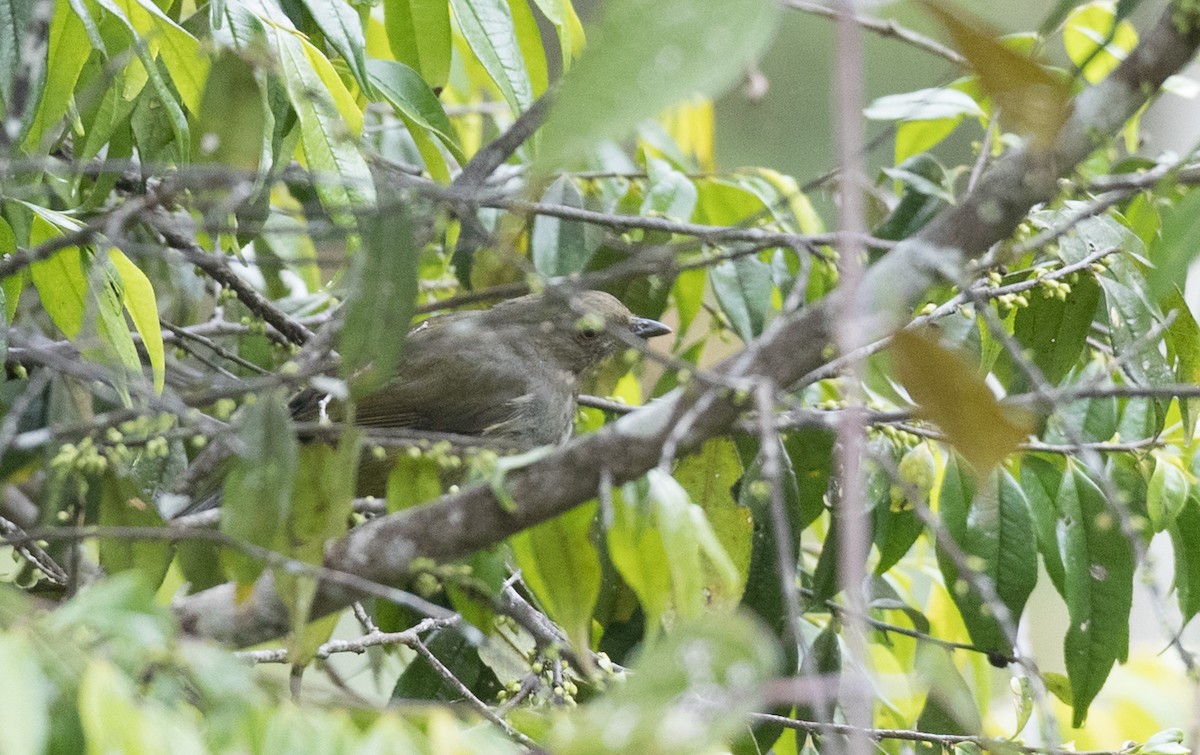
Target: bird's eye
{"type": "Point", "coordinates": [589, 326]}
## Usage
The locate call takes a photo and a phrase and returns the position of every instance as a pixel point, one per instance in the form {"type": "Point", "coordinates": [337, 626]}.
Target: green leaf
{"type": "Point", "coordinates": [83, 302]}
{"type": "Point", "coordinates": [529, 38]}
{"type": "Point", "coordinates": [896, 524]}
{"type": "Point", "coordinates": [1095, 40]}
{"type": "Point", "coordinates": [14, 17]}
{"type": "Point", "coordinates": [723, 659]}
{"type": "Point", "coordinates": [559, 246]}
{"type": "Point", "coordinates": [743, 289]}
{"type": "Point", "coordinates": [418, 32]}
{"type": "Point", "coordinates": [924, 105]}
{"type": "Point", "coordinates": [1098, 563]}
{"type": "Point", "coordinates": [1054, 332]}
{"type": "Point", "coordinates": [950, 705]}
{"type": "Point", "coordinates": [343, 30]}
{"type": "Point", "coordinates": [992, 527]}
{"type": "Point", "coordinates": [916, 137]}
{"type": "Point", "coordinates": [25, 693]}
{"type": "Point", "coordinates": [566, 23]}
{"type": "Point", "coordinates": [1185, 533]}
{"type": "Point", "coordinates": [381, 299]}
{"type": "Point", "coordinates": [560, 564]}
{"type": "Point", "coordinates": [1183, 349]}
{"type": "Point", "coordinates": [413, 480]}
{"type": "Point", "coordinates": [664, 52]}
{"type": "Point", "coordinates": [1177, 247]}
{"type": "Point", "coordinates": [655, 525]}
{"type": "Point", "coordinates": [229, 128]}
{"type": "Point", "coordinates": [328, 145]}
{"type": "Point", "coordinates": [1041, 480]}
{"type": "Point", "coordinates": [491, 34]}
{"type": "Point", "coordinates": [258, 488]}
{"type": "Point", "coordinates": [670, 194]}
{"type": "Point", "coordinates": [13, 284]}
{"type": "Point", "coordinates": [709, 477]}
{"type": "Point", "coordinates": [637, 551]}
{"type": "Point", "coordinates": [68, 50]}
{"type": "Point", "coordinates": [409, 95]}
{"type": "Point", "coordinates": [1167, 492]}
{"type": "Point", "coordinates": [420, 681]}
{"type": "Point", "coordinates": [319, 513]}
{"type": "Point", "coordinates": [138, 298]}
{"type": "Point", "coordinates": [122, 504]}
{"type": "Point", "coordinates": [149, 33]}
{"type": "Point", "coordinates": [179, 51]}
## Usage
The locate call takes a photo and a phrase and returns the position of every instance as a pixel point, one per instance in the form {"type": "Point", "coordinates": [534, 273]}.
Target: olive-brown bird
{"type": "Point", "coordinates": [510, 373]}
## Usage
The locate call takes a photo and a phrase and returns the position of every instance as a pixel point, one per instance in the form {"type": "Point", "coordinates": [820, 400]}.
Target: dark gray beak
{"type": "Point", "coordinates": [644, 327]}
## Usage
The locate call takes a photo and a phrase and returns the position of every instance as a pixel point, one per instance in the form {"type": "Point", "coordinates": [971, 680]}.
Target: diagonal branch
{"type": "Point", "coordinates": [794, 345]}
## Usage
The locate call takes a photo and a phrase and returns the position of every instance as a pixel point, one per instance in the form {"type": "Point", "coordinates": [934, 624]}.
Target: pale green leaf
{"type": "Point", "coordinates": [662, 52]}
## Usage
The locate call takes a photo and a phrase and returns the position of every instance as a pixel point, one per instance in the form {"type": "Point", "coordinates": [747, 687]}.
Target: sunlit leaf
{"type": "Point", "coordinates": [560, 564]}
{"type": "Point", "coordinates": [139, 300]}
{"type": "Point", "coordinates": [419, 34]}
{"type": "Point", "coordinates": [68, 50]}
{"type": "Point", "coordinates": [1091, 25]}
{"type": "Point", "coordinates": [491, 34]}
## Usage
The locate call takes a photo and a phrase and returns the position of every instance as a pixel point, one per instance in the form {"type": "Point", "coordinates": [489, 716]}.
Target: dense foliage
{"type": "Point", "coordinates": [861, 452]}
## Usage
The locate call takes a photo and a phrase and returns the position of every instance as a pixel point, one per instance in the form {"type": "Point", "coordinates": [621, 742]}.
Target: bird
{"type": "Point", "coordinates": [508, 375]}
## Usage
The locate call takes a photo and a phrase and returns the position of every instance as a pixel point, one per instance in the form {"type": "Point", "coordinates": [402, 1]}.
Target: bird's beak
{"type": "Point", "coordinates": [644, 327]}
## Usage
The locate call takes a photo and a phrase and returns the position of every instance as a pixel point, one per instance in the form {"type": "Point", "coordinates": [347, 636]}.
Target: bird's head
{"type": "Point", "coordinates": [578, 330]}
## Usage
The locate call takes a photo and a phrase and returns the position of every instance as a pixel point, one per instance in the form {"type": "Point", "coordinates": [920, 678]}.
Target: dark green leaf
{"type": "Point", "coordinates": [1041, 480]}
{"type": "Point", "coordinates": [420, 681]}
{"type": "Point", "coordinates": [229, 129]}
{"type": "Point", "coordinates": [1183, 348]}
{"type": "Point", "coordinates": [1185, 538]}
{"type": "Point", "coordinates": [1054, 332]}
{"type": "Point", "coordinates": [723, 658]}
{"type": "Point", "coordinates": [991, 525]}
{"type": "Point", "coordinates": [408, 93]}
{"type": "Point", "coordinates": [1177, 247]}
{"type": "Point", "coordinates": [1098, 564]}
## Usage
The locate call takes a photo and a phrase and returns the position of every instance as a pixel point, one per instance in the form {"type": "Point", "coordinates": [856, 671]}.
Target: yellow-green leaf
{"type": "Point", "coordinates": [948, 390]}
{"type": "Point", "coordinates": [1087, 28]}
{"type": "Point", "coordinates": [139, 300]}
